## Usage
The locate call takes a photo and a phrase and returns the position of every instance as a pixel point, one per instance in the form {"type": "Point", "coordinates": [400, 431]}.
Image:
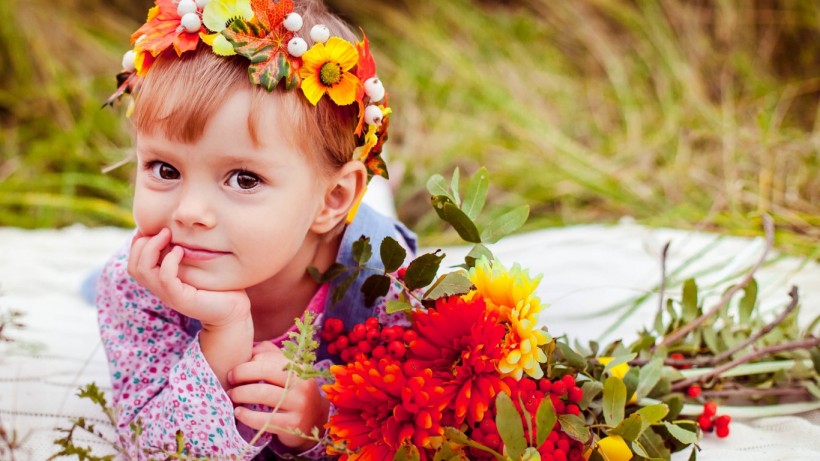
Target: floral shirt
{"type": "Point", "coordinates": [162, 381]}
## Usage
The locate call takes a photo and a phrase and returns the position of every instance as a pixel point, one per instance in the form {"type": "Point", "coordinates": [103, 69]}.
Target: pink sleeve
{"type": "Point", "coordinates": [160, 377]}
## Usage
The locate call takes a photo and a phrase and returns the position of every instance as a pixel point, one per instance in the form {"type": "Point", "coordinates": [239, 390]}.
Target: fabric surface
{"type": "Point", "coordinates": [588, 271]}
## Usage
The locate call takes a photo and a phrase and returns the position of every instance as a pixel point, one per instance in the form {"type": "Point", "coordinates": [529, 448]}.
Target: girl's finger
{"type": "Point", "coordinates": [265, 346]}
{"type": "Point", "coordinates": [270, 371]}
{"type": "Point", "coordinates": [276, 423]}
{"type": "Point", "coordinates": [169, 268]}
{"type": "Point", "coordinates": [151, 252]}
{"type": "Point", "coordinates": [261, 394]}
{"type": "Point", "coordinates": [134, 257]}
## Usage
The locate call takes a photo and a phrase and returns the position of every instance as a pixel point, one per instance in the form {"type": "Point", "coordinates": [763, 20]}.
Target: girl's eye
{"type": "Point", "coordinates": [164, 170]}
{"type": "Point", "coordinates": [243, 180]}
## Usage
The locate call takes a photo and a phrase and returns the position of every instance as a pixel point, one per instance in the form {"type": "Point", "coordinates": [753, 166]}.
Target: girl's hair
{"type": "Point", "coordinates": [178, 95]}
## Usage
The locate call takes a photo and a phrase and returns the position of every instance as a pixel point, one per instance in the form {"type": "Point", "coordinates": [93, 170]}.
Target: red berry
{"type": "Point", "coordinates": [396, 349]}
{"type": "Point", "coordinates": [379, 351]}
{"type": "Point", "coordinates": [569, 380]}
{"type": "Point", "coordinates": [545, 385]}
{"type": "Point", "coordinates": [526, 385]}
{"type": "Point", "coordinates": [400, 273]}
{"type": "Point", "coordinates": [705, 422]}
{"type": "Point", "coordinates": [722, 421]}
{"type": "Point", "coordinates": [373, 336]}
{"type": "Point", "coordinates": [358, 333]}
{"type": "Point", "coordinates": [573, 409]}
{"type": "Point", "coordinates": [710, 409]}
{"type": "Point", "coordinates": [487, 426]}
{"type": "Point", "coordinates": [412, 368]}
{"type": "Point", "coordinates": [693, 391]}
{"type": "Point", "coordinates": [346, 355]}
{"type": "Point", "coordinates": [341, 343]}
{"type": "Point", "coordinates": [365, 347]}
{"type": "Point", "coordinates": [335, 325]}
{"type": "Point", "coordinates": [390, 334]}
{"type": "Point", "coordinates": [722, 431]}
{"type": "Point", "coordinates": [562, 444]}
{"type": "Point", "coordinates": [559, 388]}
{"type": "Point", "coordinates": [409, 336]}
{"type": "Point", "coordinates": [372, 323]}
{"type": "Point", "coordinates": [575, 394]}
{"type": "Point", "coordinates": [559, 455]}
{"type": "Point", "coordinates": [332, 349]}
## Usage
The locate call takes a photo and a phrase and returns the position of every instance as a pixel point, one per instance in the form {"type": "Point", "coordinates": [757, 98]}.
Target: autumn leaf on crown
{"type": "Point", "coordinates": [264, 40]}
{"type": "Point", "coordinates": [365, 69]}
{"type": "Point", "coordinates": [163, 29]}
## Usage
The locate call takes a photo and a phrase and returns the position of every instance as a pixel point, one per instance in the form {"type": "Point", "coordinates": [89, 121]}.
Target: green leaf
{"type": "Point", "coordinates": [747, 302]}
{"type": "Point", "coordinates": [508, 422]}
{"type": "Point", "coordinates": [476, 194]}
{"type": "Point", "coordinates": [652, 414]}
{"type": "Point", "coordinates": [392, 254]}
{"type": "Point", "coordinates": [335, 270]}
{"type": "Point", "coordinates": [398, 306]}
{"type": "Point", "coordinates": [574, 359]}
{"type": "Point", "coordinates": [710, 339]}
{"type": "Point", "coordinates": [341, 289]}
{"type": "Point", "coordinates": [675, 404]}
{"type": "Point", "coordinates": [689, 302]}
{"type": "Point", "coordinates": [437, 185]}
{"type": "Point", "coordinates": [631, 381]}
{"type": "Point", "coordinates": [614, 400]}
{"type": "Point", "coordinates": [445, 452]}
{"type": "Point", "coordinates": [630, 428]}
{"type": "Point", "coordinates": [693, 456]}
{"type": "Point", "coordinates": [375, 286]}
{"type": "Point", "coordinates": [815, 359]}
{"type": "Point", "coordinates": [506, 224]}
{"type": "Point", "coordinates": [575, 427]}
{"type": "Point", "coordinates": [477, 252]}
{"type": "Point", "coordinates": [544, 420]}
{"type": "Point", "coordinates": [407, 452]}
{"type": "Point", "coordinates": [454, 187]}
{"type": "Point", "coordinates": [648, 376]}
{"type": "Point", "coordinates": [683, 436]}
{"type": "Point", "coordinates": [362, 250]}
{"type": "Point", "coordinates": [590, 389]}
{"type": "Point", "coordinates": [619, 360]}
{"type": "Point", "coordinates": [422, 270]}
{"type": "Point", "coordinates": [452, 283]}
{"type": "Point", "coordinates": [450, 213]}
{"type": "Point", "coordinates": [654, 446]}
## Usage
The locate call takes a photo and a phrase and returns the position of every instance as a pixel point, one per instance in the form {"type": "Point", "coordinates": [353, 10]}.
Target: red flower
{"type": "Point", "coordinates": [381, 404]}
{"type": "Point", "coordinates": [461, 342]}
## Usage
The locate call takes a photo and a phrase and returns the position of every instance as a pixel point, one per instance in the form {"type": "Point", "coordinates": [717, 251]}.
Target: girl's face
{"type": "Point", "coordinates": [241, 212]}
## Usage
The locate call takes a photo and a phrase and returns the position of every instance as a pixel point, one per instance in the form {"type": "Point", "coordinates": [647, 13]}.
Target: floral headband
{"type": "Point", "coordinates": [267, 32]}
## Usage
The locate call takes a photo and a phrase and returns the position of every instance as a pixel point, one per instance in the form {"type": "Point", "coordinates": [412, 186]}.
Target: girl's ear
{"type": "Point", "coordinates": [343, 190]}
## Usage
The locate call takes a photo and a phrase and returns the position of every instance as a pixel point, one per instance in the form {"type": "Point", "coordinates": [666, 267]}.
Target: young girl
{"type": "Point", "coordinates": [257, 125]}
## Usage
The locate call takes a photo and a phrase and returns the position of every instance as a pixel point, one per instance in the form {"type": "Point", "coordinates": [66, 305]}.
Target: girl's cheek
{"type": "Point", "coordinates": [149, 215]}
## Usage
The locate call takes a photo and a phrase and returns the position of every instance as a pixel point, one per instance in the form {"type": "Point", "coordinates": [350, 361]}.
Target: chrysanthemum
{"type": "Point", "coordinates": [381, 405]}
{"type": "Point", "coordinates": [326, 69]}
{"type": "Point", "coordinates": [512, 294]}
{"type": "Point", "coordinates": [460, 341]}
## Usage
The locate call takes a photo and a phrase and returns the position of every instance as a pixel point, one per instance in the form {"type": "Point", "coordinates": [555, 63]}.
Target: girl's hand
{"type": "Point", "coordinates": [262, 381]}
{"type": "Point", "coordinates": [155, 265]}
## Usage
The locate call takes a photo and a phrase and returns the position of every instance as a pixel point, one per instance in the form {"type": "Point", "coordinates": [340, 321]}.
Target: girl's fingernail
{"type": "Point", "coordinates": [230, 376]}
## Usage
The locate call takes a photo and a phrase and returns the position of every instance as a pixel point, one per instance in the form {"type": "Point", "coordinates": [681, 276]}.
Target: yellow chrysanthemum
{"type": "Point", "coordinates": [326, 69]}
{"type": "Point", "coordinates": [502, 290]}
{"type": "Point", "coordinates": [618, 371]}
{"type": "Point", "coordinates": [512, 294]}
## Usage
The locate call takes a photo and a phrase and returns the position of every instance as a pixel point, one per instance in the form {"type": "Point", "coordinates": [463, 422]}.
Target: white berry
{"type": "Point", "coordinates": [293, 22]}
{"type": "Point", "coordinates": [128, 61]}
{"type": "Point", "coordinates": [186, 6]}
{"type": "Point", "coordinates": [373, 115]}
{"type": "Point", "coordinates": [297, 46]}
{"type": "Point", "coordinates": [320, 33]}
{"type": "Point", "coordinates": [374, 88]}
{"type": "Point", "coordinates": [201, 3]}
{"type": "Point", "coordinates": [191, 22]}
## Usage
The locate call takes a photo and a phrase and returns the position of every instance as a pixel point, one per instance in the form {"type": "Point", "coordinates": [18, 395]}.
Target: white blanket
{"type": "Point", "coordinates": [588, 271]}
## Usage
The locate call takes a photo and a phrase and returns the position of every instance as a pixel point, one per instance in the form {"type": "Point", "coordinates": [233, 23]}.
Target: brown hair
{"type": "Point", "coordinates": [178, 95]}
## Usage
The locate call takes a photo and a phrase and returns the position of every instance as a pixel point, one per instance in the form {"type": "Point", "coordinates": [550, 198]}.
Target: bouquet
{"type": "Point", "coordinates": [474, 375]}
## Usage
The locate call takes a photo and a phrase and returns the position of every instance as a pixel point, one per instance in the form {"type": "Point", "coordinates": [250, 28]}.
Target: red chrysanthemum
{"type": "Point", "coordinates": [381, 405]}
{"type": "Point", "coordinates": [461, 342]}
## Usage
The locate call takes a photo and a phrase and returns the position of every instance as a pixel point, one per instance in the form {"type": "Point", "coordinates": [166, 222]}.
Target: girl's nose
{"type": "Point", "coordinates": [195, 209]}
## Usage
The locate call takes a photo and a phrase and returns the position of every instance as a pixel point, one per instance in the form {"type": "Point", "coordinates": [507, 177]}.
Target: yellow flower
{"type": "Point", "coordinates": [613, 448]}
{"type": "Point", "coordinates": [503, 290]}
{"type": "Point", "coordinates": [512, 294]}
{"type": "Point", "coordinates": [326, 69]}
{"type": "Point", "coordinates": [618, 371]}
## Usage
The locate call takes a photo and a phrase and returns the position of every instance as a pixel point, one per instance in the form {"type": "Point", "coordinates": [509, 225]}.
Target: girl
{"type": "Point", "coordinates": [242, 184]}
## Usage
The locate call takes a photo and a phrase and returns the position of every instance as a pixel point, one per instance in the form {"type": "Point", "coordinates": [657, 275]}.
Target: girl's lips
{"type": "Point", "coordinates": [199, 254]}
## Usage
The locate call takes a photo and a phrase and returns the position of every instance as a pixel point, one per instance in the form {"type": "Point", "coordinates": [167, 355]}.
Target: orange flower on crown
{"type": "Point", "coordinates": [164, 28]}
{"type": "Point", "coordinates": [326, 69]}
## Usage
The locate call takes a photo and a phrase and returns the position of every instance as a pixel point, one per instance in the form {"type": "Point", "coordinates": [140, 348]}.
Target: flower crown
{"type": "Point", "coordinates": [267, 32]}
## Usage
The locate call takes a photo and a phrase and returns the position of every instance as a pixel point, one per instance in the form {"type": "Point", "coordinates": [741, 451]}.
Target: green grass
{"type": "Point", "coordinates": [678, 113]}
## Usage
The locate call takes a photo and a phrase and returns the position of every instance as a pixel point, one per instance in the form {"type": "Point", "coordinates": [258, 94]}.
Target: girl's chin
{"type": "Point", "coordinates": [207, 280]}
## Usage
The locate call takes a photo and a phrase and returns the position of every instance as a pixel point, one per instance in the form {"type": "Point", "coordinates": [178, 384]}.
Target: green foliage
{"type": "Point", "coordinates": [300, 349]}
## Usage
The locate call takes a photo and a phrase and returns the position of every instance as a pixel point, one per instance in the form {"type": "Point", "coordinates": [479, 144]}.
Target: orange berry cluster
{"type": "Point", "coordinates": [710, 421]}
{"type": "Point", "coordinates": [366, 340]}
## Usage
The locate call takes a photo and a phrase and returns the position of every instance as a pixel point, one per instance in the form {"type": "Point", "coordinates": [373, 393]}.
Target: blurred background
{"type": "Point", "coordinates": [687, 114]}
